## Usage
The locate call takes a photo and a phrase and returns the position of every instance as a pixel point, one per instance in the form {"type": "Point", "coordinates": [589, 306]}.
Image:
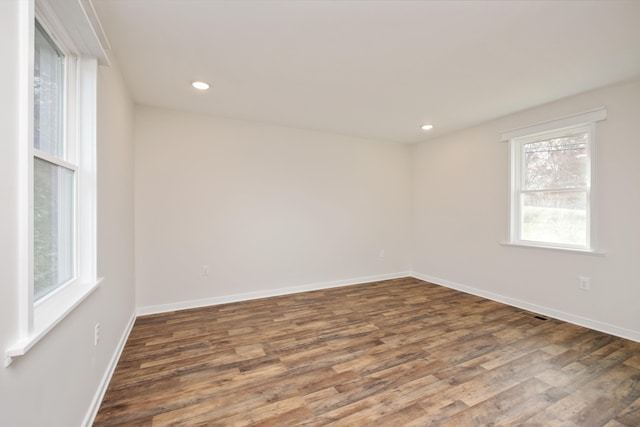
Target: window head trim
{"type": "Point", "coordinates": [584, 118]}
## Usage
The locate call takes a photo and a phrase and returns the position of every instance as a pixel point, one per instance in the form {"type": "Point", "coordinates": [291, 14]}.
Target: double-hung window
{"type": "Point", "coordinates": [63, 175]}
{"type": "Point", "coordinates": [552, 168]}
{"type": "Point", "coordinates": [60, 50]}
{"type": "Point", "coordinates": [54, 172]}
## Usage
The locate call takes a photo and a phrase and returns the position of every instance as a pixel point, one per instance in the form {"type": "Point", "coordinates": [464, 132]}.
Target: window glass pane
{"type": "Point", "coordinates": [556, 163]}
{"type": "Point", "coordinates": [554, 217]}
{"type": "Point", "coordinates": [48, 95]}
{"type": "Point", "coordinates": [53, 226]}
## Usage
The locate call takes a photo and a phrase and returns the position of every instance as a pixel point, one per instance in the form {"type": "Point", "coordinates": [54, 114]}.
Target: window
{"type": "Point", "coordinates": [551, 187]}
{"type": "Point", "coordinates": [552, 168]}
{"type": "Point", "coordinates": [58, 103]}
{"type": "Point", "coordinates": [62, 174]}
{"type": "Point", "coordinates": [53, 174]}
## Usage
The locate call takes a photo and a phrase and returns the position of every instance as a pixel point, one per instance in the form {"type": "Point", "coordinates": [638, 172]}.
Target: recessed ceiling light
{"type": "Point", "coordinates": [427, 127]}
{"type": "Point", "coordinates": [200, 85]}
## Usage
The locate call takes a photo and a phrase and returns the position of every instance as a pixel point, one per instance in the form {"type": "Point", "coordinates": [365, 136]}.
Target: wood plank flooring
{"type": "Point", "coordinates": [390, 353]}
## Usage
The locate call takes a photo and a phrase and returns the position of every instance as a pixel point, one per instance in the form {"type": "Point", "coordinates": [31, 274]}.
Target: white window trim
{"type": "Point", "coordinates": [37, 319]}
{"type": "Point", "coordinates": [587, 118]}
{"type": "Point", "coordinates": [596, 252]}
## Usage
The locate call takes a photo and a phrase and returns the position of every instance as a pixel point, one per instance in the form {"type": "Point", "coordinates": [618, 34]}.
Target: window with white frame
{"type": "Point", "coordinates": [63, 182]}
{"type": "Point", "coordinates": [552, 200]}
{"type": "Point", "coordinates": [54, 172]}
{"type": "Point", "coordinates": [58, 105]}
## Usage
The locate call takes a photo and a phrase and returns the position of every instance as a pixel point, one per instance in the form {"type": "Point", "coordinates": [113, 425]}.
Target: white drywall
{"type": "Point", "coordinates": [264, 207]}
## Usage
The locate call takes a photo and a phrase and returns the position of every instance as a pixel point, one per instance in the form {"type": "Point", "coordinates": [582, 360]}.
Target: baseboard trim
{"type": "Point", "coordinates": [102, 388]}
{"type": "Point", "coordinates": [550, 312]}
{"type": "Point", "coordinates": [184, 305]}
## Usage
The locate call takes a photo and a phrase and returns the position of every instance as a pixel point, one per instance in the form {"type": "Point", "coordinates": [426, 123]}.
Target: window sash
{"type": "Point", "coordinates": [49, 95]}
{"type": "Point", "coordinates": [54, 227]}
{"type": "Point", "coordinates": [556, 225]}
{"type": "Point", "coordinates": [568, 182]}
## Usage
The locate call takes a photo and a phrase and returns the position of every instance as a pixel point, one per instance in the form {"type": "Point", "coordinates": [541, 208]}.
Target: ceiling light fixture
{"type": "Point", "coordinates": [200, 85]}
{"type": "Point", "coordinates": [427, 127]}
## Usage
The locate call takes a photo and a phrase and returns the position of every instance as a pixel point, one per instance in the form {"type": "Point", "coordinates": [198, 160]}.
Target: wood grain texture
{"type": "Point", "coordinates": [396, 352]}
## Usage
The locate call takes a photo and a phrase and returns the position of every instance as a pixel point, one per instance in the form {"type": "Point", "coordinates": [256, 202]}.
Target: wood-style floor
{"type": "Point", "coordinates": [391, 353]}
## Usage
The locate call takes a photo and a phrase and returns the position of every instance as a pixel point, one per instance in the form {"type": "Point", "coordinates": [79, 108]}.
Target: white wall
{"type": "Point", "coordinates": [265, 207]}
{"type": "Point", "coordinates": [9, 220]}
{"type": "Point", "coordinates": [55, 382]}
{"type": "Point", "coordinates": [461, 214]}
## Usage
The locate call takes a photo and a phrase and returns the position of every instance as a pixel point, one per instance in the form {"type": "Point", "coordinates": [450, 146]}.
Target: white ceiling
{"type": "Point", "coordinates": [376, 69]}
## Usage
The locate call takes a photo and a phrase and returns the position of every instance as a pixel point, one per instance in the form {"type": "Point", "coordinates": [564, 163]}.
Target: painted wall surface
{"type": "Point", "coordinates": [461, 216]}
{"type": "Point", "coordinates": [10, 271]}
{"type": "Point", "coordinates": [264, 207]}
{"type": "Point", "coordinates": [55, 382]}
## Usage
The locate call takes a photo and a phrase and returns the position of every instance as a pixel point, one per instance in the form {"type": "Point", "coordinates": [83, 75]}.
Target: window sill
{"type": "Point", "coordinates": [47, 320]}
{"type": "Point", "coordinates": [592, 252]}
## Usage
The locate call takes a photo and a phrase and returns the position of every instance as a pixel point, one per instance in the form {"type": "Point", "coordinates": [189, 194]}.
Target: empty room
{"type": "Point", "coordinates": [232, 213]}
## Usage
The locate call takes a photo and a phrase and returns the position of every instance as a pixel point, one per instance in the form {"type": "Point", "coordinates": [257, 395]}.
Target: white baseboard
{"type": "Point", "coordinates": [183, 305]}
{"type": "Point", "coordinates": [102, 388]}
{"type": "Point", "coordinates": [550, 312]}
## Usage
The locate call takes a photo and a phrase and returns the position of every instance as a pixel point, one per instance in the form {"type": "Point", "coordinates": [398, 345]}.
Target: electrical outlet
{"type": "Point", "coordinates": [381, 253]}
{"type": "Point", "coordinates": [96, 334]}
{"type": "Point", "coordinates": [205, 270]}
{"type": "Point", "coordinates": [584, 283]}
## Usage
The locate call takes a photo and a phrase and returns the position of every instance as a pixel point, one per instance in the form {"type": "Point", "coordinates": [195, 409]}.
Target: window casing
{"type": "Point", "coordinates": [551, 184]}
{"type": "Point", "coordinates": [58, 103]}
